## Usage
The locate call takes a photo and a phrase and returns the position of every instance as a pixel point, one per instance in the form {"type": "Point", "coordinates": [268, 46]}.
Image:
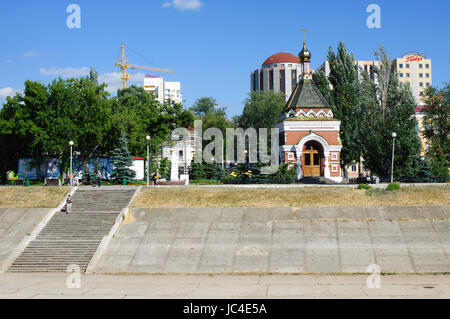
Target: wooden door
{"type": "Point", "coordinates": [311, 161]}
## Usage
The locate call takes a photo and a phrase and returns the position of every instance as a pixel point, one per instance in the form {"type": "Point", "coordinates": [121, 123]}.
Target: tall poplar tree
{"type": "Point", "coordinates": [437, 117]}
{"type": "Point", "coordinates": [380, 121]}
{"type": "Point", "coordinates": [344, 95]}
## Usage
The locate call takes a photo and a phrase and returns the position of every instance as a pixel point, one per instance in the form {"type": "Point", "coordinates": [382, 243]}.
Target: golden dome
{"type": "Point", "coordinates": [304, 55]}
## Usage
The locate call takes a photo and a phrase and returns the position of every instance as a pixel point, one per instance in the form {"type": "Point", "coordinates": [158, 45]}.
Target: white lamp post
{"type": "Point", "coordinates": [223, 154]}
{"type": "Point", "coordinates": [148, 160]}
{"type": "Point", "coordinates": [70, 169]}
{"type": "Point", "coordinates": [394, 135]}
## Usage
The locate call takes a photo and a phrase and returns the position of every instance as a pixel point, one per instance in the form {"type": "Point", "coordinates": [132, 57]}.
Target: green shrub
{"type": "Point", "coordinates": [204, 181]}
{"type": "Point", "coordinates": [364, 186]}
{"type": "Point", "coordinates": [440, 169]}
{"type": "Point", "coordinates": [393, 186]}
{"type": "Point", "coordinates": [285, 175]}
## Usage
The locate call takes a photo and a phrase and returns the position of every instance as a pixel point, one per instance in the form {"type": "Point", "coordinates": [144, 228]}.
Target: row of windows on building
{"type": "Point", "coordinates": [282, 74]}
{"type": "Point", "coordinates": [369, 69]}
{"type": "Point", "coordinates": [427, 75]}
{"type": "Point", "coordinates": [400, 65]}
{"type": "Point", "coordinates": [276, 65]}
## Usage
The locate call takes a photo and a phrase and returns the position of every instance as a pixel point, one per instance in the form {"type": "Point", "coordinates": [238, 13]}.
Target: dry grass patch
{"type": "Point", "coordinates": [289, 197]}
{"type": "Point", "coordinates": [32, 197]}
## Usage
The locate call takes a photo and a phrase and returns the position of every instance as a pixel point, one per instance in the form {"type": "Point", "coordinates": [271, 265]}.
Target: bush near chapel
{"type": "Point", "coordinates": [393, 186]}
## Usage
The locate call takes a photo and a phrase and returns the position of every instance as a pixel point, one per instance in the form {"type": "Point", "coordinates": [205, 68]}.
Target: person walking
{"type": "Point", "coordinates": [68, 204]}
{"type": "Point", "coordinates": [76, 181]}
{"type": "Point", "coordinates": [99, 178]}
{"type": "Point", "coordinates": [155, 178]}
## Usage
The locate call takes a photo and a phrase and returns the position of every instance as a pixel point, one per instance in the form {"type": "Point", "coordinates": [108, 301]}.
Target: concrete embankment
{"type": "Point", "coordinates": [403, 239]}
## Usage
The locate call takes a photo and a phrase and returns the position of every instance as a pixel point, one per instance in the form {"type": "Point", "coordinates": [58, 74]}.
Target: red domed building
{"type": "Point", "coordinates": [309, 135]}
{"type": "Point", "coordinates": [279, 73]}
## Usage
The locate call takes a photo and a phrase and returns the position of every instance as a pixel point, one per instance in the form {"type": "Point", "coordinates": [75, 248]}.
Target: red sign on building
{"type": "Point", "coordinates": [414, 58]}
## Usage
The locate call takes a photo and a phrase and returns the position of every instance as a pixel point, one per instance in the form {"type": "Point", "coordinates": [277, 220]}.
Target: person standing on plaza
{"type": "Point", "coordinates": [155, 178]}
{"type": "Point", "coordinates": [99, 178]}
{"type": "Point", "coordinates": [68, 204]}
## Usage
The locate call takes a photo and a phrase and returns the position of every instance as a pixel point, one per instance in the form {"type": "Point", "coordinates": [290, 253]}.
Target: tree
{"type": "Point", "coordinates": [40, 122]}
{"type": "Point", "coordinates": [323, 84]}
{"type": "Point", "coordinates": [43, 120]}
{"type": "Point", "coordinates": [437, 117]}
{"type": "Point", "coordinates": [343, 77]}
{"type": "Point", "coordinates": [419, 172]}
{"type": "Point", "coordinates": [439, 164]}
{"type": "Point", "coordinates": [212, 115]}
{"type": "Point", "coordinates": [164, 168]}
{"type": "Point", "coordinates": [139, 114]}
{"type": "Point", "coordinates": [384, 73]}
{"type": "Point", "coordinates": [93, 75]}
{"type": "Point", "coordinates": [122, 161]}
{"type": "Point", "coordinates": [262, 110]}
{"type": "Point", "coordinates": [87, 177]}
{"type": "Point", "coordinates": [379, 123]}
{"type": "Point", "coordinates": [196, 171]}
{"type": "Point", "coordinates": [206, 105]}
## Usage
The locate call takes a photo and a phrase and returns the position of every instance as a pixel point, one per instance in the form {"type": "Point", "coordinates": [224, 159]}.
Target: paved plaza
{"type": "Point", "coordinates": [45, 285]}
{"type": "Point", "coordinates": [412, 239]}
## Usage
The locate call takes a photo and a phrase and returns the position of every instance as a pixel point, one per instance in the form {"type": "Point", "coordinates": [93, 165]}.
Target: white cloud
{"type": "Point", "coordinates": [8, 61]}
{"type": "Point", "coordinates": [31, 54]}
{"type": "Point", "coordinates": [7, 91]}
{"type": "Point", "coordinates": [183, 4]}
{"type": "Point", "coordinates": [112, 80]}
{"type": "Point", "coordinates": [66, 72]}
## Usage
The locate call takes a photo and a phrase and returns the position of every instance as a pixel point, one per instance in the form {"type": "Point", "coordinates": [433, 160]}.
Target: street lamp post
{"type": "Point", "coordinates": [185, 156]}
{"type": "Point", "coordinates": [223, 154]}
{"type": "Point", "coordinates": [70, 168]}
{"type": "Point", "coordinates": [148, 160]}
{"type": "Point", "coordinates": [394, 135]}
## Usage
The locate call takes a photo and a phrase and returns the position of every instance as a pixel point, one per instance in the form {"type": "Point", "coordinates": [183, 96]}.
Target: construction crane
{"type": "Point", "coordinates": [122, 62]}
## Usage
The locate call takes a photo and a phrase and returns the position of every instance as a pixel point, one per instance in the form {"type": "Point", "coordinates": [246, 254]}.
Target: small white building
{"type": "Point", "coordinates": [183, 149]}
{"type": "Point", "coordinates": [163, 91]}
{"type": "Point", "coordinates": [138, 167]}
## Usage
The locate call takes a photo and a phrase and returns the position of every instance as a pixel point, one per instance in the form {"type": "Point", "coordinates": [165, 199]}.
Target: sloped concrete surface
{"type": "Point", "coordinates": [281, 240]}
{"type": "Point", "coordinates": [15, 225]}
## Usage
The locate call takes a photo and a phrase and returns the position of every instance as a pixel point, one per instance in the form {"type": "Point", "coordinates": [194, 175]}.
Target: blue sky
{"type": "Point", "coordinates": [212, 45]}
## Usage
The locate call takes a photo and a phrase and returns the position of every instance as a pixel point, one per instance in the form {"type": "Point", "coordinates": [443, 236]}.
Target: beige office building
{"type": "Point", "coordinates": [414, 69]}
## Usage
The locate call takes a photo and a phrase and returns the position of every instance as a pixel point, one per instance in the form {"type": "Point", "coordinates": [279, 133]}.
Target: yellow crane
{"type": "Point", "coordinates": [122, 62]}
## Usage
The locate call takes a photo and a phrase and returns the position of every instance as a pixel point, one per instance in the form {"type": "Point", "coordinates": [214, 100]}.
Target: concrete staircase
{"type": "Point", "coordinates": [74, 238]}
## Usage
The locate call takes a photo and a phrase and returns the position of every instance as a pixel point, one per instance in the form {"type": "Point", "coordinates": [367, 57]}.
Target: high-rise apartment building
{"type": "Point", "coordinates": [414, 69]}
{"type": "Point", "coordinates": [163, 90]}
